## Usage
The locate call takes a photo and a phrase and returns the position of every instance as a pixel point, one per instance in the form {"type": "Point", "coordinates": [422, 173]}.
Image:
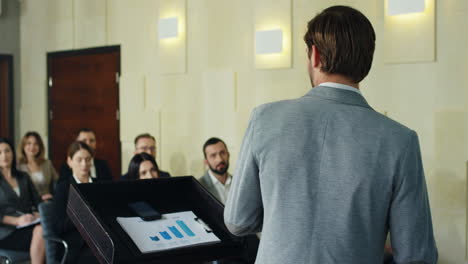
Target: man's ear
{"type": "Point", "coordinates": [315, 57]}
{"type": "Point", "coordinates": [69, 162]}
{"type": "Point", "coordinates": [205, 162]}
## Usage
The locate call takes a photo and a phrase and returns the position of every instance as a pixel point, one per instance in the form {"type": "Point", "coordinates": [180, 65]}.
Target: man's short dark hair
{"type": "Point", "coordinates": [345, 40]}
{"type": "Point", "coordinates": [85, 130]}
{"type": "Point", "coordinates": [144, 135]}
{"type": "Point", "coordinates": [212, 141]}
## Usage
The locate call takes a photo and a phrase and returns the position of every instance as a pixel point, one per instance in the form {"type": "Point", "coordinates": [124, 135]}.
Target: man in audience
{"type": "Point", "coordinates": [324, 176]}
{"type": "Point", "coordinates": [100, 168]}
{"type": "Point", "coordinates": [147, 143]}
{"type": "Point", "coordinates": [217, 178]}
{"type": "Point", "coordinates": [218, 182]}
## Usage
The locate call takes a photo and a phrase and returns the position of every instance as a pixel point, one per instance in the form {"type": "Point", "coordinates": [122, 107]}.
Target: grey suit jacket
{"type": "Point", "coordinates": [206, 181]}
{"type": "Point", "coordinates": [10, 203]}
{"type": "Point", "coordinates": [325, 177]}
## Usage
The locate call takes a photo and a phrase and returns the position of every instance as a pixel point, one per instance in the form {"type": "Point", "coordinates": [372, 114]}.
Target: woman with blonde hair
{"type": "Point", "coordinates": [31, 159]}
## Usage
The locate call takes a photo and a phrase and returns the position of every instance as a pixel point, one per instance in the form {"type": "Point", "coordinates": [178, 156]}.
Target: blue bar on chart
{"type": "Point", "coordinates": [175, 231]}
{"type": "Point", "coordinates": [154, 238]}
{"type": "Point", "coordinates": [165, 235]}
{"type": "Point", "coordinates": [185, 228]}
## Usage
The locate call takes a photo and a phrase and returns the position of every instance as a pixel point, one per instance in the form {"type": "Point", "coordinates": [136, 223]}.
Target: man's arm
{"type": "Point", "coordinates": [411, 231]}
{"type": "Point", "coordinates": [243, 213]}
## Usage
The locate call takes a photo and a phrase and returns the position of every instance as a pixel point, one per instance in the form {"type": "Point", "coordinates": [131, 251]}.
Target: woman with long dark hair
{"type": "Point", "coordinates": [18, 207]}
{"type": "Point", "coordinates": [142, 166]}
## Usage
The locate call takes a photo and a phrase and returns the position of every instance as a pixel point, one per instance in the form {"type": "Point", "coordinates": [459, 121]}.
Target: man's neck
{"type": "Point", "coordinates": [222, 178]}
{"type": "Point", "coordinates": [334, 78]}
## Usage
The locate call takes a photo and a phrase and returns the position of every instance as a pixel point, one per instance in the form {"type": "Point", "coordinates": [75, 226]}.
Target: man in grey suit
{"type": "Point", "coordinates": [324, 176]}
{"type": "Point", "coordinates": [217, 178]}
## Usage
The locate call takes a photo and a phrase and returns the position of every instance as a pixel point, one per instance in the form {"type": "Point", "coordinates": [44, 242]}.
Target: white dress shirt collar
{"type": "Point", "coordinates": [341, 86]}
{"type": "Point", "coordinates": [222, 189]}
{"type": "Point", "coordinates": [78, 180]}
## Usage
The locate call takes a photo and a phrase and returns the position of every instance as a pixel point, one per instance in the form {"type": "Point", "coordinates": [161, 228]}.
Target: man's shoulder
{"type": "Point", "coordinates": [391, 126]}
{"type": "Point", "coordinates": [205, 179]}
{"type": "Point", "coordinates": [100, 162]}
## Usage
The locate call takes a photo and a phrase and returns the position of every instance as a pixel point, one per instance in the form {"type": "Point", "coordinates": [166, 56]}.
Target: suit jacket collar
{"type": "Point", "coordinates": [5, 186]}
{"type": "Point", "coordinates": [339, 95]}
{"type": "Point", "coordinates": [208, 183]}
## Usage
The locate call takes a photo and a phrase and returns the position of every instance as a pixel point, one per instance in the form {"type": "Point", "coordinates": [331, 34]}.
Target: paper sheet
{"type": "Point", "coordinates": [29, 224]}
{"type": "Point", "coordinates": [174, 230]}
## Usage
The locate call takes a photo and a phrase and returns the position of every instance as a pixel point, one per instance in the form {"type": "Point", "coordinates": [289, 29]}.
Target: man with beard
{"type": "Point", "coordinates": [216, 179]}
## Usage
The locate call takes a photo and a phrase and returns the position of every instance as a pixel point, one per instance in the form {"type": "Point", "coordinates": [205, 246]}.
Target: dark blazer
{"type": "Point", "coordinates": [11, 203]}
{"type": "Point", "coordinates": [64, 223]}
{"type": "Point", "coordinates": [65, 227]}
{"type": "Point", "coordinates": [103, 172]}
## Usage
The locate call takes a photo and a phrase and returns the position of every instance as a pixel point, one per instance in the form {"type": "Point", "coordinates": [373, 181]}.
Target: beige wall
{"type": "Point", "coordinates": [221, 86]}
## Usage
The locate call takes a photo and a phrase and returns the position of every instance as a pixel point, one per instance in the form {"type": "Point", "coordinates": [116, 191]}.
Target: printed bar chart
{"type": "Point", "coordinates": [165, 235]}
{"type": "Point", "coordinates": [185, 228]}
{"type": "Point", "coordinates": [175, 231]}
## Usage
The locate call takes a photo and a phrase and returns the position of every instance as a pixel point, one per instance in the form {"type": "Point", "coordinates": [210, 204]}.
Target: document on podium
{"type": "Point", "coordinates": [173, 230]}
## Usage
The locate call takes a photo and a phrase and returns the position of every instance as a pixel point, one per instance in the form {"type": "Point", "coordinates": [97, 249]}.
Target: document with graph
{"type": "Point", "coordinates": [174, 230]}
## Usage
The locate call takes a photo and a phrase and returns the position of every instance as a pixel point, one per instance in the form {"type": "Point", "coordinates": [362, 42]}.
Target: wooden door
{"type": "Point", "coordinates": [84, 93]}
{"type": "Point", "coordinates": [6, 96]}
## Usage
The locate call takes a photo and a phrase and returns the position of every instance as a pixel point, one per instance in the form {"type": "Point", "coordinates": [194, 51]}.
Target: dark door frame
{"type": "Point", "coordinates": [9, 59]}
{"type": "Point", "coordinates": [75, 52]}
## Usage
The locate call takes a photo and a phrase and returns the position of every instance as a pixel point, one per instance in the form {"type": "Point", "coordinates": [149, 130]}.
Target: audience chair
{"type": "Point", "coordinates": [13, 256]}
{"type": "Point", "coordinates": [47, 212]}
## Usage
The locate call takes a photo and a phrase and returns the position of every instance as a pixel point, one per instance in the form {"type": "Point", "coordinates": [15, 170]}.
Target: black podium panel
{"type": "Point", "coordinates": [93, 209]}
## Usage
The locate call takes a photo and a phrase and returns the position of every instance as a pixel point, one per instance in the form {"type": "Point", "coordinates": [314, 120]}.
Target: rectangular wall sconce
{"type": "Point", "coordinates": [400, 7]}
{"type": "Point", "coordinates": [168, 27]}
{"type": "Point", "coordinates": [269, 41]}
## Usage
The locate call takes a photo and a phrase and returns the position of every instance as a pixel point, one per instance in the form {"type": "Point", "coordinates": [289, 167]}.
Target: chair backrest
{"type": "Point", "coordinates": [13, 256]}
{"type": "Point", "coordinates": [47, 212]}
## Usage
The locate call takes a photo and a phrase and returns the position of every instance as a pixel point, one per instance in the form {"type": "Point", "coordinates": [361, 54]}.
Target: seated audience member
{"type": "Point", "coordinates": [99, 168]}
{"type": "Point", "coordinates": [218, 182]}
{"type": "Point", "coordinates": [147, 143]}
{"type": "Point", "coordinates": [31, 152]}
{"type": "Point", "coordinates": [80, 157]}
{"type": "Point", "coordinates": [217, 178]}
{"type": "Point", "coordinates": [142, 166]}
{"type": "Point", "coordinates": [18, 206]}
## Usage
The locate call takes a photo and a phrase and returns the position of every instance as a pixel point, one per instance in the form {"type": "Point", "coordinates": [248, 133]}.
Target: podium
{"type": "Point", "coordinates": [93, 209]}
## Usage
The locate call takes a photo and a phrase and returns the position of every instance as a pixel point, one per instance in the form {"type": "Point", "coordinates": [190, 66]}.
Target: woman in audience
{"type": "Point", "coordinates": [31, 152]}
{"type": "Point", "coordinates": [18, 207]}
{"type": "Point", "coordinates": [142, 166]}
{"type": "Point", "coordinates": [79, 159]}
